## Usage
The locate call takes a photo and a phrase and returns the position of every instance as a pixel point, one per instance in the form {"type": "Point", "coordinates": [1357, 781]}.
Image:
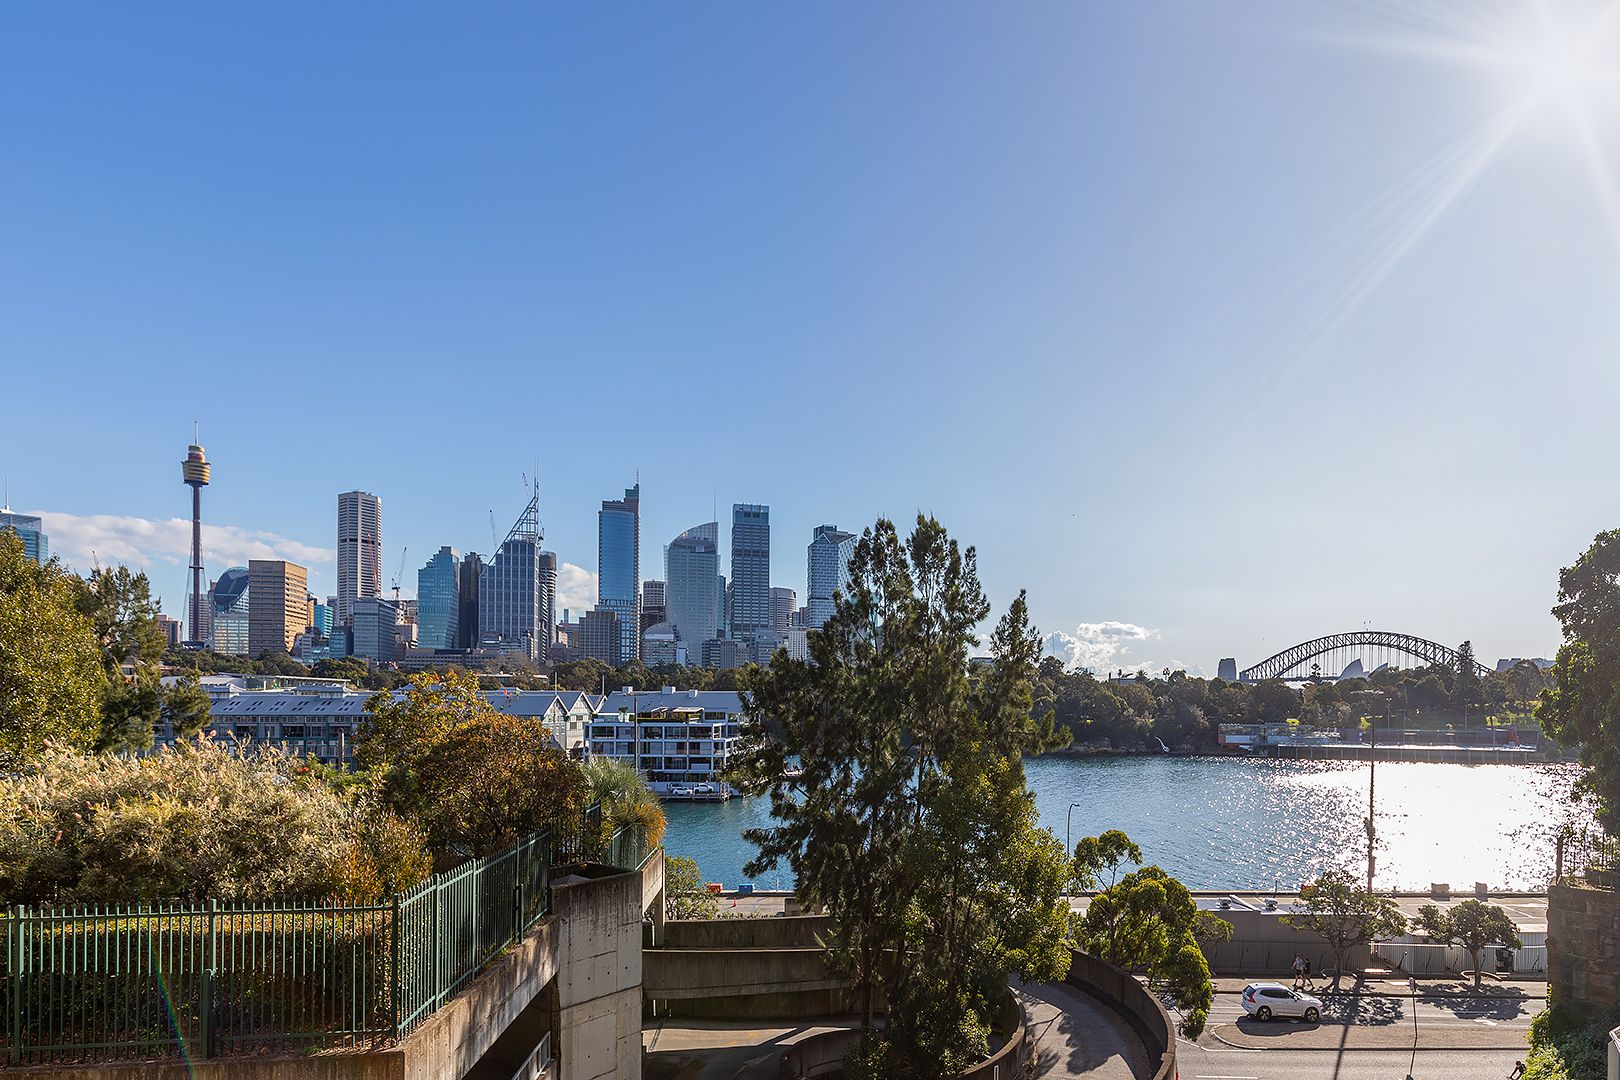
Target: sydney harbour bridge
{"type": "Point", "coordinates": [1332, 654]}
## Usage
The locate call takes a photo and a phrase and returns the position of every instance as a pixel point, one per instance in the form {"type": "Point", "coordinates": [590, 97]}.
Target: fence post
{"type": "Point", "coordinates": [14, 960]}
{"type": "Point", "coordinates": [438, 948]}
{"type": "Point", "coordinates": [517, 891]}
{"type": "Point", "coordinates": [396, 976]}
{"type": "Point", "coordinates": [207, 1003]}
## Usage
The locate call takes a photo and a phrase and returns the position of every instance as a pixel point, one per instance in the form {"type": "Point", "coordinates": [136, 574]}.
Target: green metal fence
{"type": "Point", "coordinates": [111, 983]}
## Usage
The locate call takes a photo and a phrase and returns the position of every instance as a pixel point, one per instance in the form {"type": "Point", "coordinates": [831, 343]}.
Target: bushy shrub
{"type": "Point", "coordinates": [1566, 1045]}
{"type": "Point", "coordinates": [211, 820]}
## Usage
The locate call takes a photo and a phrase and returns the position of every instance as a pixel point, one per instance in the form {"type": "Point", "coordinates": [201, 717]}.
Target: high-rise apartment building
{"type": "Point", "coordinates": [783, 604]}
{"type": "Point", "coordinates": [359, 550]}
{"type": "Point", "coordinates": [31, 531]}
{"type": "Point", "coordinates": [600, 636]}
{"type": "Point", "coordinates": [827, 572]}
{"type": "Point", "coordinates": [171, 630]}
{"type": "Point", "coordinates": [653, 608]}
{"type": "Point", "coordinates": [750, 569]}
{"type": "Point", "coordinates": [509, 590]}
{"type": "Point", "coordinates": [279, 611]}
{"type": "Point", "coordinates": [548, 603]}
{"type": "Point", "coordinates": [438, 600]}
{"type": "Point", "coordinates": [691, 573]}
{"type": "Point", "coordinates": [618, 568]}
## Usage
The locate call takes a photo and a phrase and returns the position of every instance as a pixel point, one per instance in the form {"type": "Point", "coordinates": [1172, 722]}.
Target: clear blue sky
{"type": "Point", "coordinates": [1230, 324]}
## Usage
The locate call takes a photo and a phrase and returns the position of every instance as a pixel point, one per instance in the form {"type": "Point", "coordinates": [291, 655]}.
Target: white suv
{"type": "Point", "coordinates": [1265, 1000]}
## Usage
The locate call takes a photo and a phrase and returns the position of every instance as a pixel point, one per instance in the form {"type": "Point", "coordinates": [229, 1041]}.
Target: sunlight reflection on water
{"type": "Point", "coordinates": [1245, 824]}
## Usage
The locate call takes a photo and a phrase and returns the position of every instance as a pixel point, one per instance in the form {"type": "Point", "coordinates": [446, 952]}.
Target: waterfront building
{"type": "Point", "coordinates": [725, 653]}
{"type": "Point", "coordinates": [784, 605]}
{"type": "Point", "coordinates": [600, 636]}
{"type": "Point", "coordinates": [359, 550]}
{"type": "Point", "coordinates": [375, 625]}
{"type": "Point", "coordinates": [509, 591]}
{"type": "Point", "coordinates": [470, 570]}
{"type": "Point", "coordinates": [750, 569]}
{"type": "Point", "coordinates": [31, 531]}
{"type": "Point", "coordinates": [618, 569]}
{"type": "Point", "coordinates": [653, 607]}
{"type": "Point", "coordinates": [675, 737]}
{"type": "Point", "coordinates": [691, 574]}
{"type": "Point", "coordinates": [279, 611]}
{"type": "Point", "coordinates": [660, 645]}
{"type": "Point", "coordinates": [224, 624]}
{"type": "Point", "coordinates": [438, 600]}
{"type": "Point", "coordinates": [826, 572]}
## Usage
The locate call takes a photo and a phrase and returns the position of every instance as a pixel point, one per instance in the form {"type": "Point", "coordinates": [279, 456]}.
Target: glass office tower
{"type": "Point", "coordinates": [618, 568]}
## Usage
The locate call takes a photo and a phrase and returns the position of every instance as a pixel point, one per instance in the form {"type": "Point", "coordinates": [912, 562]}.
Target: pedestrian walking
{"type": "Point", "coordinates": [1310, 984]}
{"type": "Point", "coordinates": [1299, 972]}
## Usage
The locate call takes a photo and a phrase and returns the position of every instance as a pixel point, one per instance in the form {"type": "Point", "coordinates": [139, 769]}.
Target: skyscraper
{"type": "Point", "coordinates": [827, 572]}
{"type": "Point", "coordinates": [653, 609]}
{"type": "Point", "coordinates": [438, 600]}
{"type": "Point", "coordinates": [618, 568]}
{"type": "Point", "coordinates": [279, 610]}
{"type": "Point", "coordinates": [31, 531]}
{"type": "Point", "coordinates": [509, 589]}
{"type": "Point", "coordinates": [359, 550]}
{"type": "Point", "coordinates": [224, 625]}
{"type": "Point", "coordinates": [375, 626]}
{"type": "Point", "coordinates": [548, 604]}
{"type": "Point", "coordinates": [783, 604]}
{"type": "Point", "coordinates": [472, 568]}
{"type": "Point", "coordinates": [750, 569]}
{"type": "Point", "coordinates": [691, 571]}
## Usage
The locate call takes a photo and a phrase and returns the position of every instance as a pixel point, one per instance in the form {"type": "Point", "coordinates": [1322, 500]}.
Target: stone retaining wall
{"type": "Point", "coordinates": [1583, 946]}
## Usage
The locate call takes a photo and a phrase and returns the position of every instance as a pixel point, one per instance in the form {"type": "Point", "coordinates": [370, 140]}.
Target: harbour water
{"type": "Point", "coordinates": [1237, 823]}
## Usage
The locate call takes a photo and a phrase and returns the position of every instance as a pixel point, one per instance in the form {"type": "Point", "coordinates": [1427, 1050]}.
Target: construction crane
{"type": "Point", "coordinates": [400, 572]}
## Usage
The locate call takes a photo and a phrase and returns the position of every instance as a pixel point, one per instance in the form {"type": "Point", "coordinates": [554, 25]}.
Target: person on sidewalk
{"type": "Point", "coordinates": [1299, 972]}
{"type": "Point", "coordinates": [1310, 984]}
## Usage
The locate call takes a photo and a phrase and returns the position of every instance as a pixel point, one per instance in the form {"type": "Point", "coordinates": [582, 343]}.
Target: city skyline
{"type": "Point", "coordinates": [1204, 389]}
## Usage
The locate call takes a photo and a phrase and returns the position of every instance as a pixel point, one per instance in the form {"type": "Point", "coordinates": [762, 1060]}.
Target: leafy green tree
{"type": "Point", "coordinates": [1473, 925]}
{"type": "Point", "coordinates": [1582, 708]}
{"type": "Point", "coordinates": [1147, 922]}
{"type": "Point", "coordinates": [581, 675]}
{"type": "Point", "coordinates": [1466, 687]}
{"type": "Point", "coordinates": [341, 667]}
{"type": "Point", "coordinates": [120, 607]}
{"type": "Point", "coordinates": [474, 777]}
{"type": "Point", "coordinates": [51, 676]}
{"type": "Point", "coordinates": [130, 708]}
{"type": "Point", "coordinates": [910, 821]}
{"type": "Point", "coordinates": [684, 894]}
{"type": "Point", "coordinates": [186, 706]}
{"type": "Point", "coordinates": [1098, 860]}
{"type": "Point", "coordinates": [626, 799]}
{"type": "Point", "coordinates": [1346, 915]}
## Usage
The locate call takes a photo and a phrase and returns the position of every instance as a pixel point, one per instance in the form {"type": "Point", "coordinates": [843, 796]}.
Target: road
{"type": "Point", "coordinates": [1205, 1063]}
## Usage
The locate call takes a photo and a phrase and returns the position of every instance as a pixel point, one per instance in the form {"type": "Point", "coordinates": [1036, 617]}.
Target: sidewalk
{"type": "Point", "coordinates": [1396, 986]}
{"type": "Point", "coordinates": [1285, 1035]}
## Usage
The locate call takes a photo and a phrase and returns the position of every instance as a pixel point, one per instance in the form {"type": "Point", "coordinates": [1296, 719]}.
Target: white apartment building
{"type": "Point", "coordinates": [675, 737]}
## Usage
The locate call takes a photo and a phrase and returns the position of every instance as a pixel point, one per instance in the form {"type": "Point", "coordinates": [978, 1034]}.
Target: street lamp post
{"type": "Point", "coordinates": [1068, 830]}
{"type": "Point", "coordinates": [1411, 982]}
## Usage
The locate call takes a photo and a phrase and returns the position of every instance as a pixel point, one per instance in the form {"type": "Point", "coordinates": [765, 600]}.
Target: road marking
{"type": "Point", "coordinates": [1209, 1076]}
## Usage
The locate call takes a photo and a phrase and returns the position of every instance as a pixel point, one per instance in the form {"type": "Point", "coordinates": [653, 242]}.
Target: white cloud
{"type": "Point", "coordinates": [576, 589]}
{"type": "Point", "coordinates": [1100, 646]}
{"type": "Point", "coordinates": [109, 538]}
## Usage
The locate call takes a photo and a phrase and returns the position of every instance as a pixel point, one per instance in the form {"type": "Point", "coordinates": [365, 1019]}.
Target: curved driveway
{"type": "Point", "coordinates": [1077, 1035]}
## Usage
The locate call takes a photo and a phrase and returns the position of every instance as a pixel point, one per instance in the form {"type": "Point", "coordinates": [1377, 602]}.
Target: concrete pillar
{"type": "Point", "coordinates": [657, 912]}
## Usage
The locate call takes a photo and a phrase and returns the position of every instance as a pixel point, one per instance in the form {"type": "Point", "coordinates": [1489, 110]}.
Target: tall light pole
{"type": "Point", "coordinates": [1412, 983]}
{"type": "Point", "coordinates": [1068, 830]}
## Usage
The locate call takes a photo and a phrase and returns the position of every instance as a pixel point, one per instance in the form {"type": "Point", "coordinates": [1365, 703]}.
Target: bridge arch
{"type": "Point", "coordinates": [1290, 662]}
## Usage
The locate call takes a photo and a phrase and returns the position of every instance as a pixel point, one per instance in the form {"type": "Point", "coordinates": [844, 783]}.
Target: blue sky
{"type": "Point", "coordinates": [1216, 327]}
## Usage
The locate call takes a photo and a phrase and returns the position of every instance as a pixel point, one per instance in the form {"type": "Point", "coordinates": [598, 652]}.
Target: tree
{"type": "Point", "coordinates": [1466, 690]}
{"type": "Point", "coordinates": [120, 607]}
{"type": "Point", "coordinates": [909, 819]}
{"type": "Point", "coordinates": [473, 776]}
{"type": "Point", "coordinates": [1345, 914]}
{"type": "Point", "coordinates": [342, 667]}
{"type": "Point", "coordinates": [1147, 922]}
{"type": "Point", "coordinates": [51, 677]}
{"type": "Point", "coordinates": [625, 798]}
{"type": "Point", "coordinates": [581, 675]}
{"type": "Point", "coordinates": [1099, 859]}
{"type": "Point", "coordinates": [1473, 925]}
{"type": "Point", "coordinates": [684, 894]}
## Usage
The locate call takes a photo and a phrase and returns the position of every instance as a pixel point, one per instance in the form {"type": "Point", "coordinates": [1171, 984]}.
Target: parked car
{"type": "Point", "coordinates": [1265, 1000]}
{"type": "Point", "coordinates": [681, 791]}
